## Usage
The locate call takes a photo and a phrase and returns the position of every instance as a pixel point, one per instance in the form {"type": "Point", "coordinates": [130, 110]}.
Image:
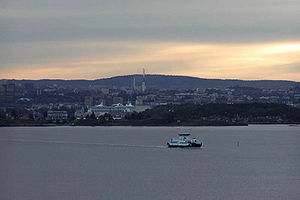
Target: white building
{"type": "Point", "coordinates": [80, 113]}
{"type": "Point", "coordinates": [57, 115]}
{"type": "Point", "coordinates": [114, 110]}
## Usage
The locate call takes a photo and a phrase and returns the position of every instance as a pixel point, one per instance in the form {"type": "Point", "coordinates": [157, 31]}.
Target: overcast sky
{"type": "Point", "coordinates": [76, 39]}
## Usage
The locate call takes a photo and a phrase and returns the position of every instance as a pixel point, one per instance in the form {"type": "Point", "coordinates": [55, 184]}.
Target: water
{"type": "Point", "coordinates": [254, 162]}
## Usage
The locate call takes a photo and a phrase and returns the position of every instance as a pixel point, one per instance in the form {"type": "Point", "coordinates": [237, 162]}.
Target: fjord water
{"type": "Point", "coordinates": [254, 162]}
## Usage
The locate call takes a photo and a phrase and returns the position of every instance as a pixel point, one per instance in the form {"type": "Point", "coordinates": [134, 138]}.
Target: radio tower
{"type": "Point", "coordinates": [144, 81]}
{"type": "Point", "coordinates": [134, 87]}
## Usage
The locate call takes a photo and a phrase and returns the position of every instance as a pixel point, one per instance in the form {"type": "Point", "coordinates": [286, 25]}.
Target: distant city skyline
{"type": "Point", "coordinates": [257, 40]}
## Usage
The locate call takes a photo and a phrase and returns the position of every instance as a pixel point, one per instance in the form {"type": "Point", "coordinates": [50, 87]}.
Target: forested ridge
{"type": "Point", "coordinates": [217, 114]}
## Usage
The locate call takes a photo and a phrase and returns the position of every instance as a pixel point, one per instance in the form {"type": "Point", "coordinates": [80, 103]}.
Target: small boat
{"type": "Point", "coordinates": [184, 140]}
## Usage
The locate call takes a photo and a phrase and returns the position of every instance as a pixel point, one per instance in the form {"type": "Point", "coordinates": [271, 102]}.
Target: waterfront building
{"type": "Point", "coordinates": [80, 114]}
{"type": "Point", "coordinates": [114, 110]}
{"type": "Point", "coordinates": [57, 115]}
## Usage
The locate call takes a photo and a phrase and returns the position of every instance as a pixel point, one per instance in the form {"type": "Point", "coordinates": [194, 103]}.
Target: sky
{"type": "Point", "coordinates": [76, 39]}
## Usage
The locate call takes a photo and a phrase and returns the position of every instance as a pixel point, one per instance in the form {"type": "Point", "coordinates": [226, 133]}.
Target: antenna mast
{"type": "Point", "coordinates": [144, 81]}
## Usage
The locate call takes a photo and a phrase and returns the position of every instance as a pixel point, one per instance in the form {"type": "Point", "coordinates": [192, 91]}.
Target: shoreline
{"type": "Point", "coordinates": [143, 125]}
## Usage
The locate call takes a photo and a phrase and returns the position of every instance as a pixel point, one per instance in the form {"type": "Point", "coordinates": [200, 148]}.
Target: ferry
{"type": "Point", "coordinates": [184, 140]}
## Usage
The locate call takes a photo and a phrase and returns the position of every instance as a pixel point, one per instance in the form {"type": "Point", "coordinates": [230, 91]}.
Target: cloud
{"type": "Point", "coordinates": [211, 39]}
{"type": "Point", "coordinates": [90, 59]}
{"type": "Point", "coordinates": [201, 21]}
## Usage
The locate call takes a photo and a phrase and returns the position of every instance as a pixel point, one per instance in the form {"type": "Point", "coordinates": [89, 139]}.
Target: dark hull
{"type": "Point", "coordinates": [176, 146]}
{"type": "Point", "coordinates": [196, 145]}
{"type": "Point", "coordinates": [191, 145]}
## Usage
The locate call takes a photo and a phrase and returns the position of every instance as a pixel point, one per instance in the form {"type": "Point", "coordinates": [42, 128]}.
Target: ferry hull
{"type": "Point", "coordinates": [184, 146]}
{"type": "Point", "coordinates": [196, 145]}
{"type": "Point", "coordinates": [176, 145]}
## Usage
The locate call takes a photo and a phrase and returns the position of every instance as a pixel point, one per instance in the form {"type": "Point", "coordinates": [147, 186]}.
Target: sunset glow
{"type": "Point", "coordinates": [229, 61]}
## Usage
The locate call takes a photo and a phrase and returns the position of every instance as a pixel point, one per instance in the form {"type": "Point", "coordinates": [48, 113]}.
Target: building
{"type": "Point", "coordinates": [2, 93]}
{"type": "Point", "coordinates": [88, 101]}
{"type": "Point", "coordinates": [105, 90]}
{"type": "Point", "coordinates": [28, 86]}
{"type": "Point", "coordinates": [114, 110]}
{"type": "Point", "coordinates": [57, 115]}
{"type": "Point", "coordinates": [117, 100]}
{"type": "Point", "coordinates": [10, 91]}
{"type": "Point", "coordinates": [139, 101]}
{"type": "Point", "coordinates": [141, 108]}
{"type": "Point", "coordinates": [7, 92]}
{"type": "Point", "coordinates": [79, 114]}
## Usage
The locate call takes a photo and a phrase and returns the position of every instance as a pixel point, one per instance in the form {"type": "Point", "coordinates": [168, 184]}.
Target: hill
{"type": "Point", "coordinates": [163, 82]}
{"type": "Point", "coordinates": [187, 82]}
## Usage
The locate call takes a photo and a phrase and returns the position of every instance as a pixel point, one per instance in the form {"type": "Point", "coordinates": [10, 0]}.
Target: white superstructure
{"type": "Point", "coordinates": [184, 141]}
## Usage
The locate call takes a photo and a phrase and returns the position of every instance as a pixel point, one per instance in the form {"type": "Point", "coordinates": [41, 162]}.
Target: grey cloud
{"type": "Point", "coordinates": [28, 27]}
{"type": "Point", "coordinates": [55, 52]}
{"type": "Point", "coordinates": [206, 21]}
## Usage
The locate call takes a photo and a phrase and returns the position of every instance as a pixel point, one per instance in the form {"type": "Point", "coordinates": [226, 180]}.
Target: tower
{"type": "Point", "coordinates": [134, 87]}
{"type": "Point", "coordinates": [144, 81]}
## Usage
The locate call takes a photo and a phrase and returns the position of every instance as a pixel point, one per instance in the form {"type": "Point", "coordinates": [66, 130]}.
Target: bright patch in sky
{"type": "Point", "coordinates": [91, 60]}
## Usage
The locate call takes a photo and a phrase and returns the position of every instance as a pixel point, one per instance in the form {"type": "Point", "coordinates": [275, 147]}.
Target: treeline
{"type": "Point", "coordinates": [216, 114]}
{"type": "Point", "coordinates": [183, 115]}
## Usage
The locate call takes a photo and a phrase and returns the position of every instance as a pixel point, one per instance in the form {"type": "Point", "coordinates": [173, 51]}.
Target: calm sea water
{"type": "Point", "coordinates": [254, 162]}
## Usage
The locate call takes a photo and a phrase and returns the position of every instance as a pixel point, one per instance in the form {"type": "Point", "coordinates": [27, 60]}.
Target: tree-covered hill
{"type": "Point", "coordinates": [156, 81]}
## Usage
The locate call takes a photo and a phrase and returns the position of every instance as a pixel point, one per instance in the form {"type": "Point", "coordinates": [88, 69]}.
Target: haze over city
{"type": "Point", "coordinates": [232, 39]}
